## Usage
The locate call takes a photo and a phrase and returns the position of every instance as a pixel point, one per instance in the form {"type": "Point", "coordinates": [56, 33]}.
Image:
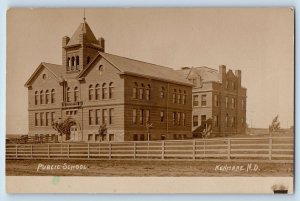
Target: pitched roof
{"type": "Point", "coordinates": [85, 29]}
{"type": "Point", "coordinates": [207, 74]}
{"type": "Point", "coordinates": [140, 68]}
{"type": "Point", "coordinates": [56, 70]}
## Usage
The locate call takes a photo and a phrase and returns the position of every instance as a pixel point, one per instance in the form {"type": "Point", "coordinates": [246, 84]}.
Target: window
{"type": "Point", "coordinates": [226, 120]}
{"type": "Point", "coordinates": [195, 120]}
{"type": "Point", "coordinates": [97, 88]}
{"type": "Point", "coordinates": [47, 95]}
{"type": "Point", "coordinates": [174, 96]}
{"type": "Point", "coordinates": [72, 63]}
{"type": "Point", "coordinates": [179, 97]}
{"type": "Point", "coordinates": [234, 122]}
{"type": "Point", "coordinates": [104, 91]}
{"type": "Point", "coordinates": [134, 117]}
{"type": "Point", "coordinates": [195, 100]}
{"type": "Point", "coordinates": [216, 100]}
{"type": "Point", "coordinates": [174, 118]}
{"type": "Point", "coordinates": [41, 97]}
{"type": "Point", "coordinates": [135, 137]}
{"type": "Point", "coordinates": [44, 76]}
{"type": "Point", "coordinates": [36, 119]}
{"type": "Point", "coordinates": [68, 94]}
{"type": "Point", "coordinates": [36, 97]}
{"type": "Point", "coordinates": [234, 85]}
{"type": "Point", "coordinates": [111, 137]}
{"type": "Point", "coordinates": [91, 117]}
{"type": "Point", "coordinates": [111, 90]}
{"type": "Point", "coordinates": [47, 118]}
{"type": "Point", "coordinates": [203, 100]}
{"type": "Point", "coordinates": [203, 119]}
{"type": "Point", "coordinates": [142, 137]}
{"type": "Point", "coordinates": [227, 84]}
{"type": "Point", "coordinates": [104, 116]}
{"type": "Point", "coordinates": [162, 115]}
{"type": "Point", "coordinates": [141, 116]}
{"type": "Point", "coordinates": [100, 68]}
{"type": "Point", "coordinates": [52, 117]}
{"type": "Point", "coordinates": [141, 92]}
{"type": "Point", "coordinates": [41, 119]}
{"type": "Point", "coordinates": [77, 62]}
{"type": "Point", "coordinates": [98, 114]}
{"type": "Point", "coordinates": [184, 98]}
{"type": "Point", "coordinates": [91, 92]}
{"type": "Point", "coordinates": [68, 64]}
{"type": "Point", "coordinates": [88, 59]}
{"type": "Point", "coordinates": [111, 115]}
{"type": "Point", "coordinates": [134, 91]}
{"type": "Point", "coordinates": [97, 137]}
{"type": "Point", "coordinates": [76, 94]}
{"type": "Point", "coordinates": [90, 137]}
{"type": "Point", "coordinates": [183, 119]}
{"type": "Point", "coordinates": [233, 102]}
{"type": "Point", "coordinates": [178, 118]}
{"type": "Point", "coordinates": [53, 96]}
{"type": "Point", "coordinates": [147, 115]}
{"type": "Point", "coordinates": [162, 93]}
{"type": "Point", "coordinates": [226, 102]}
{"type": "Point", "coordinates": [148, 92]}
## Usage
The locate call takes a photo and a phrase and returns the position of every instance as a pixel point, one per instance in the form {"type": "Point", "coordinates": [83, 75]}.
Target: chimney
{"type": "Point", "coordinates": [102, 43]}
{"type": "Point", "coordinates": [238, 74]}
{"type": "Point", "coordinates": [222, 73]}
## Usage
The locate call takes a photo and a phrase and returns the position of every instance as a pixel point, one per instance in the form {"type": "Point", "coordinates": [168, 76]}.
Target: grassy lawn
{"type": "Point", "coordinates": [145, 168]}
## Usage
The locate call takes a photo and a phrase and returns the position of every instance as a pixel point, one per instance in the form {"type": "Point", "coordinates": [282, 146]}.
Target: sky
{"type": "Point", "coordinates": [258, 41]}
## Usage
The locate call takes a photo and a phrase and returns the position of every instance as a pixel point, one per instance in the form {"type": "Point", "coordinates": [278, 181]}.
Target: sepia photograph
{"type": "Point", "coordinates": [172, 98]}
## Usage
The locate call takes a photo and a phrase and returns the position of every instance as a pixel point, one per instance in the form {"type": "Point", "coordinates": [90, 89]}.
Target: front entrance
{"type": "Point", "coordinates": [74, 133]}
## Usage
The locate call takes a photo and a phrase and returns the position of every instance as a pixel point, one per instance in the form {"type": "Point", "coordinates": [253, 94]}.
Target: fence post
{"type": "Point", "coordinates": [48, 150]}
{"type": "Point", "coordinates": [16, 150]}
{"type": "Point", "coordinates": [60, 150]}
{"type": "Point", "coordinates": [163, 150]}
{"type": "Point", "coordinates": [68, 150]}
{"type": "Point", "coordinates": [31, 151]}
{"type": "Point", "coordinates": [204, 152]}
{"type": "Point", "coordinates": [109, 151]}
{"type": "Point", "coordinates": [88, 150]}
{"type": "Point", "coordinates": [270, 148]}
{"type": "Point", "coordinates": [229, 149]}
{"type": "Point", "coordinates": [194, 149]}
{"type": "Point", "coordinates": [134, 150]}
{"type": "Point", "coordinates": [99, 151]}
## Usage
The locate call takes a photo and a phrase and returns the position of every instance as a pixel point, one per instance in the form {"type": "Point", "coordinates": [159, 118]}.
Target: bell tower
{"type": "Point", "coordinates": [79, 50]}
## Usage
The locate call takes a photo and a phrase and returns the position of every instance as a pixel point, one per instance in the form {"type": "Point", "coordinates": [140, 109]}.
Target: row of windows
{"type": "Point", "coordinates": [106, 115]}
{"type": "Point", "coordinates": [71, 112]}
{"type": "Point", "coordinates": [44, 98]}
{"type": "Point", "coordinates": [98, 138]}
{"type": "Point", "coordinates": [229, 121]}
{"type": "Point", "coordinates": [106, 89]}
{"type": "Point", "coordinates": [73, 63]}
{"type": "Point", "coordinates": [141, 92]}
{"type": "Point", "coordinates": [231, 85]}
{"type": "Point", "coordinates": [196, 100]}
{"type": "Point", "coordinates": [143, 116]}
{"type": "Point", "coordinates": [44, 118]}
{"type": "Point", "coordinates": [179, 98]}
{"type": "Point", "coordinates": [179, 118]}
{"type": "Point", "coordinates": [75, 94]}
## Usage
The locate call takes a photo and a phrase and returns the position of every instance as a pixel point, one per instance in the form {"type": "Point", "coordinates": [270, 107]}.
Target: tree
{"type": "Point", "coordinates": [63, 126]}
{"type": "Point", "coordinates": [275, 125]}
{"type": "Point", "coordinates": [102, 130]}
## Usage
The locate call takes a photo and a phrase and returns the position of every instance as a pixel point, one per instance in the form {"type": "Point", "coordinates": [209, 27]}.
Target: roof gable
{"type": "Point", "coordinates": [52, 68]}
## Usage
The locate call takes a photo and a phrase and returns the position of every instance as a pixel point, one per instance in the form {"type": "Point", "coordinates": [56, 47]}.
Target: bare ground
{"type": "Point", "coordinates": [145, 168]}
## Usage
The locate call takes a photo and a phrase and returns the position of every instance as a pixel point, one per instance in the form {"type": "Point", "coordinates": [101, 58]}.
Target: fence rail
{"type": "Point", "coordinates": [272, 148]}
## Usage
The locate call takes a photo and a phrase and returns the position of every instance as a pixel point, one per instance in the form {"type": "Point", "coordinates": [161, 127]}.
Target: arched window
{"type": "Point", "coordinates": [76, 94]}
{"type": "Point", "coordinates": [184, 97]}
{"type": "Point", "coordinates": [141, 94]}
{"type": "Point", "coordinates": [53, 96]}
{"type": "Point", "coordinates": [97, 91]}
{"type": "Point", "coordinates": [148, 92]}
{"type": "Point", "coordinates": [179, 97]}
{"type": "Point", "coordinates": [72, 63]}
{"type": "Point", "coordinates": [226, 120]}
{"type": "Point", "coordinates": [47, 96]}
{"type": "Point", "coordinates": [104, 91]}
{"type": "Point", "coordinates": [134, 91]}
{"type": "Point", "coordinates": [77, 62]}
{"type": "Point", "coordinates": [36, 97]}
{"type": "Point", "coordinates": [91, 92]}
{"type": "Point", "coordinates": [41, 97]}
{"type": "Point", "coordinates": [111, 90]}
{"type": "Point", "coordinates": [100, 68]}
{"type": "Point", "coordinates": [88, 59]}
{"type": "Point", "coordinates": [68, 94]}
{"type": "Point", "coordinates": [162, 93]}
{"type": "Point", "coordinates": [174, 95]}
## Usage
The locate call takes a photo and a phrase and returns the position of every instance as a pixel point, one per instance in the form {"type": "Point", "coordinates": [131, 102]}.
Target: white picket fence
{"type": "Point", "coordinates": [271, 149]}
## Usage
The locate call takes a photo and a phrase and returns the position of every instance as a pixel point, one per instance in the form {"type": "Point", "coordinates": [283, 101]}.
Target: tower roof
{"type": "Point", "coordinates": [84, 29]}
